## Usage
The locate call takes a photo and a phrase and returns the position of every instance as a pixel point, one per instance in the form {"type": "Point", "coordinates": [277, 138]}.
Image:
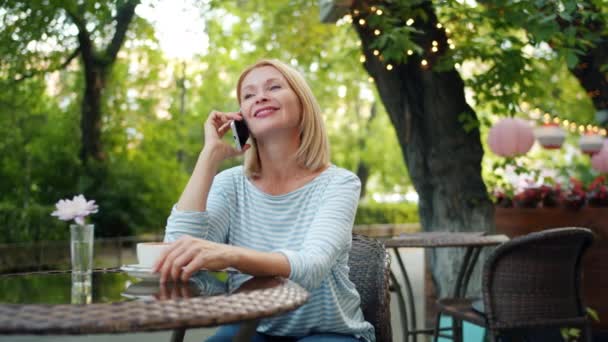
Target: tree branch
{"type": "Point", "coordinates": [59, 67]}
{"type": "Point", "coordinates": [84, 39]}
{"type": "Point", "coordinates": [124, 17]}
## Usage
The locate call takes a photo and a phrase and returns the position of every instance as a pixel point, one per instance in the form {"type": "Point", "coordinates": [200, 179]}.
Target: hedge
{"type": "Point", "coordinates": [373, 213]}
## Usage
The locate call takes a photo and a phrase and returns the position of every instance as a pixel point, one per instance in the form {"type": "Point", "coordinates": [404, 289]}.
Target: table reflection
{"type": "Point", "coordinates": [113, 285]}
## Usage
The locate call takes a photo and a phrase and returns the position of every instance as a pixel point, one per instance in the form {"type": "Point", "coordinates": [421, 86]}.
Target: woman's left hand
{"type": "Point", "coordinates": [188, 255]}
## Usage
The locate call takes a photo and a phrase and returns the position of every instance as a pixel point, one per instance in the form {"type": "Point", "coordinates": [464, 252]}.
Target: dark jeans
{"type": "Point", "coordinates": [226, 332]}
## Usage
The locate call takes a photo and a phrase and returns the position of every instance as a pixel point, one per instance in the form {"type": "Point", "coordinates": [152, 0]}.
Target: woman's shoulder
{"type": "Point", "coordinates": [338, 175]}
{"type": "Point", "coordinates": [230, 176]}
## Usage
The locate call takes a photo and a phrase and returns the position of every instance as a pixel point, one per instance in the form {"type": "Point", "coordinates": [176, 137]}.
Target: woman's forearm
{"type": "Point", "coordinates": [194, 196]}
{"type": "Point", "coordinates": [259, 263]}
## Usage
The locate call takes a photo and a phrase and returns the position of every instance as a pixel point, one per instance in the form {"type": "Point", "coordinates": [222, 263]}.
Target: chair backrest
{"type": "Point", "coordinates": [369, 270]}
{"type": "Point", "coordinates": [534, 281]}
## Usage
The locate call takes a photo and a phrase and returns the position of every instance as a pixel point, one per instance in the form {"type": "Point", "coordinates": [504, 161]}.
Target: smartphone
{"type": "Point", "coordinates": [240, 133]}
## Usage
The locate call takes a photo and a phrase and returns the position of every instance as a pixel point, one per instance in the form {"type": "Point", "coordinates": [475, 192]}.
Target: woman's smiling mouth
{"type": "Point", "coordinates": [265, 111]}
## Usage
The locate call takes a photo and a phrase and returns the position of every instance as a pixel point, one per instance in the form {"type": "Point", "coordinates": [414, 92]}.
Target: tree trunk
{"type": "Point", "coordinates": [592, 78]}
{"type": "Point", "coordinates": [90, 124]}
{"type": "Point", "coordinates": [588, 71]}
{"type": "Point", "coordinates": [96, 67]}
{"type": "Point", "coordinates": [443, 160]}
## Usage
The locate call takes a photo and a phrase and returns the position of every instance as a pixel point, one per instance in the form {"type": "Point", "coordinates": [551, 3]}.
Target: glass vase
{"type": "Point", "coordinates": [81, 251]}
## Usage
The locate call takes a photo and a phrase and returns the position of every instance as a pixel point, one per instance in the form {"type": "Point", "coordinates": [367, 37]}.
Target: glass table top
{"type": "Point", "coordinates": [107, 286]}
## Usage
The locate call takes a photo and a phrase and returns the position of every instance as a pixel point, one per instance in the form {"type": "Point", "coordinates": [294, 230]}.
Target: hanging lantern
{"type": "Point", "coordinates": [511, 137]}
{"type": "Point", "coordinates": [591, 143]}
{"type": "Point", "coordinates": [550, 135]}
{"type": "Point", "coordinates": [599, 161]}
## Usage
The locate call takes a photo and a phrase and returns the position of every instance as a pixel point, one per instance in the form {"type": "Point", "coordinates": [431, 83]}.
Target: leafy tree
{"type": "Point", "coordinates": [94, 31]}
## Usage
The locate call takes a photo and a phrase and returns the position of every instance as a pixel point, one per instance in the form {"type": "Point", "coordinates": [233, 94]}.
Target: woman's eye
{"type": "Point", "coordinates": [274, 87]}
{"type": "Point", "coordinates": [247, 96]}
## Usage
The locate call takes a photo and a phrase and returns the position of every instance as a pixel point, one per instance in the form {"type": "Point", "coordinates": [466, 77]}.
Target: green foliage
{"type": "Point", "coordinates": [32, 223]}
{"type": "Point", "coordinates": [372, 212]}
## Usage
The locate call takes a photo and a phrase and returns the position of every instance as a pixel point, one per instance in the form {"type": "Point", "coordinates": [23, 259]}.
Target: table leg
{"type": "Point", "coordinates": [461, 273]}
{"type": "Point", "coordinates": [246, 331]}
{"type": "Point", "coordinates": [401, 303]}
{"type": "Point", "coordinates": [178, 335]}
{"type": "Point", "coordinates": [410, 297]}
{"type": "Point", "coordinates": [469, 272]}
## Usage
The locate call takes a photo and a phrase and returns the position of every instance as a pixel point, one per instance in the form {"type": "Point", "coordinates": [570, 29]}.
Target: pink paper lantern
{"type": "Point", "coordinates": [599, 161]}
{"type": "Point", "coordinates": [511, 137]}
{"type": "Point", "coordinates": [591, 143]}
{"type": "Point", "coordinates": [550, 135]}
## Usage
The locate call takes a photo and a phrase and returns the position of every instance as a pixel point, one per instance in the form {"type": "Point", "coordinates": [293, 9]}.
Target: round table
{"type": "Point", "coordinates": [472, 241]}
{"type": "Point", "coordinates": [40, 303]}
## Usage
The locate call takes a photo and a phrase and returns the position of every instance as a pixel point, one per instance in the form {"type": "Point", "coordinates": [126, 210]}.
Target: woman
{"type": "Point", "coordinates": [287, 212]}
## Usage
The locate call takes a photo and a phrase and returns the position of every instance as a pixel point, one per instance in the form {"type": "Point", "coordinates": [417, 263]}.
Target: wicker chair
{"type": "Point", "coordinates": [529, 283]}
{"type": "Point", "coordinates": [369, 270]}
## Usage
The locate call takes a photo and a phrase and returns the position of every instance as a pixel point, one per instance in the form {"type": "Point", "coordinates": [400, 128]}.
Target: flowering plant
{"type": "Point", "coordinates": [76, 209]}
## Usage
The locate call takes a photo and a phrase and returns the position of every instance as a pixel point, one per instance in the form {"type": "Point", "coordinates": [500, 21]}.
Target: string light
{"type": "Point", "coordinates": [439, 25]}
{"type": "Point", "coordinates": [376, 52]}
{"type": "Point", "coordinates": [435, 43]}
{"type": "Point", "coordinates": [362, 59]}
{"type": "Point", "coordinates": [568, 125]}
{"type": "Point", "coordinates": [452, 46]}
{"type": "Point", "coordinates": [389, 67]}
{"type": "Point", "coordinates": [424, 62]}
{"type": "Point", "coordinates": [373, 8]}
{"type": "Point", "coordinates": [379, 12]}
{"type": "Point", "coordinates": [410, 52]}
{"type": "Point", "coordinates": [361, 21]}
{"type": "Point", "coordinates": [434, 49]}
{"type": "Point", "coordinates": [356, 12]}
{"type": "Point", "coordinates": [377, 32]}
{"type": "Point", "coordinates": [447, 30]}
{"type": "Point", "coordinates": [409, 22]}
{"type": "Point", "coordinates": [370, 79]}
{"type": "Point", "coordinates": [450, 41]}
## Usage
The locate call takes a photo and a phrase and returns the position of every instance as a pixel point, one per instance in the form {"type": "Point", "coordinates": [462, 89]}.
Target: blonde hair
{"type": "Point", "coordinates": [313, 153]}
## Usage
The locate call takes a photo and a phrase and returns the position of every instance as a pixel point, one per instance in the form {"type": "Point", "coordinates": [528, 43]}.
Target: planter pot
{"type": "Point", "coordinates": [520, 221]}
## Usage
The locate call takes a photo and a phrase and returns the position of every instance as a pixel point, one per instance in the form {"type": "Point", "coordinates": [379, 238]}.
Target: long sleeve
{"type": "Point", "coordinates": [212, 224]}
{"type": "Point", "coordinates": [329, 235]}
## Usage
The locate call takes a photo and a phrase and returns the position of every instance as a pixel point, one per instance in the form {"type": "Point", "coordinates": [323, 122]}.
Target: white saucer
{"type": "Point", "coordinates": [141, 272]}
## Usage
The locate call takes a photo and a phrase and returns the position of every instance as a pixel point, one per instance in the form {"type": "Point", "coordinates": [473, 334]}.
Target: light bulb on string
{"type": "Point", "coordinates": [439, 25]}
{"type": "Point", "coordinates": [376, 52]}
{"type": "Point", "coordinates": [377, 32]}
{"type": "Point", "coordinates": [389, 67]}
{"type": "Point", "coordinates": [435, 43]}
{"type": "Point", "coordinates": [452, 46]}
{"type": "Point", "coordinates": [410, 52]}
{"type": "Point", "coordinates": [424, 63]}
{"type": "Point", "coordinates": [370, 79]}
{"type": "Point", "coordinates": [379, 12]}
{"type": "Point", "coordinates": [362, 59]}
{"type": "Point", "coordinates": [409, 22]}
{"type": "Point", "coordinates": [362, 22]}
{"type": "Point", "coordinates": [434, 49]}
{"type": "Point", "coordinates": [373, 8]}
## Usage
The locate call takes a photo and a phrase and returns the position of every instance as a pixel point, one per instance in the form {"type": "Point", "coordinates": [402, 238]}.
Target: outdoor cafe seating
{"type": "Point", "coordinates": [529, 282]}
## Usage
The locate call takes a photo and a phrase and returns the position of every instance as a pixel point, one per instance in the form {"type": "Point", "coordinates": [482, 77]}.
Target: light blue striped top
{"type": "Point", "coordinates": [311, 226]}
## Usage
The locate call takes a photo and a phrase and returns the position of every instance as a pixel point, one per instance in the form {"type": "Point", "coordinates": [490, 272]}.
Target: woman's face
{"type": "Point", "coordinates": [268, 103]}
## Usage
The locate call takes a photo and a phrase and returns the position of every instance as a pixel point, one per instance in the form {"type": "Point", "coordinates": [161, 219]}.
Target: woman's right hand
{"type": "Point", "coordinates": [216, 126]}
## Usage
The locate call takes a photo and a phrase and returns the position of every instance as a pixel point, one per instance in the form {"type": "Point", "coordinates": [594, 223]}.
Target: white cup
{"type": "Point", "coordinates": [148, 252]}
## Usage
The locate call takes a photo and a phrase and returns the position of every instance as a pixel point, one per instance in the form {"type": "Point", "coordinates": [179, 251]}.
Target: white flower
{"type": "Point", "coordinates": [76, 209]}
